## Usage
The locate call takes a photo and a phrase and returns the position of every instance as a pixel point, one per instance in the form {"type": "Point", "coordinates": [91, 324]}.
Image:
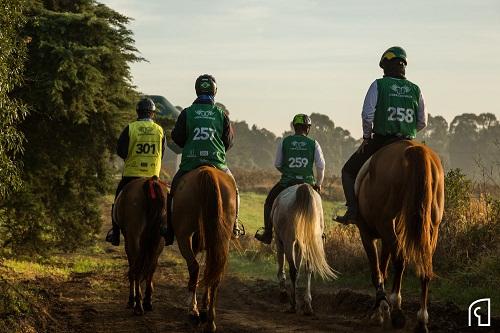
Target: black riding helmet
{"type": "Point", "coordinates": [205, 85]}
{"type": "Point", "coordinates": [145, 105]}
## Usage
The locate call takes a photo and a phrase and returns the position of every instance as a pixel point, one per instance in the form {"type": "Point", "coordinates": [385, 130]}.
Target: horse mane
{"type": "Point", "coordinates": [155, 207]}
{"type": "Point", "coordinates": [214, 229]}
{"type": "Point", "coordinates": [417, 239]}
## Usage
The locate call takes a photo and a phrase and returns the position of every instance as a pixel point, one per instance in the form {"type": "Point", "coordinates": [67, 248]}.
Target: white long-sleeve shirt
{"type": "Point", "coordinates": [319, 161]}
{"type": "Point", "coordinates": [368, 113]}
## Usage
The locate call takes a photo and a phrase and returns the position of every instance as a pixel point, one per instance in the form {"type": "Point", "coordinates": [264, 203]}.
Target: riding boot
{"type": "Point", "coordinates": [267, 236]}
{"type": "Point", "coordinates": [351, 215]}
{"type": "Point", "coordinates": [238, 228]}
{"type": "Point", "coordinates": [166, 229]}
{"type": "Point", "coordinates": [113, 235]}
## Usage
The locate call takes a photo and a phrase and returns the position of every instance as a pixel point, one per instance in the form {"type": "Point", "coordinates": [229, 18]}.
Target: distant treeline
{"type": "Point", "coordinates": [470, 142]}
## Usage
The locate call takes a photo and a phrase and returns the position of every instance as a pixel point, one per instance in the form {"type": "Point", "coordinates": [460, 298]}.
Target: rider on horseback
{"type": "Point", "coordinates": [393, 110]}
{"type": "Point", "coordinates": [294, 159]}
{"type": "Point", "coordinates": [139, 145]}
{"type": "Point", "coordinates": [204, 132]}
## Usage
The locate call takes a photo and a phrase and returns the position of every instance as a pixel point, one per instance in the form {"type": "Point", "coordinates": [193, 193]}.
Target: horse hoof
{"type": "Point", "coordinates": [138, 310]}
{"type": "Point", "coordinates": [398, 319]}
{"type": "Point", "coordinates": [284, 297]}
{"type": "Point", "coordinates": [194, 319]}
{"type": "Point", "coordinates": [203, 316]}
{"type": "Point", "coordinates": [148, 306]}
{"type": "Point", "coordinates": [130, 305]}
{"type": "Point", "coordinates": [421, 328]}
{"type": "Point", "coordinates": [209, 328]}
{"type": "Point", "coordinates": [291, 310]}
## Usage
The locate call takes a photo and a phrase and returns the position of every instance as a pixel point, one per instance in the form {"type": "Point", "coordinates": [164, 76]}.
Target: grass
{"type": "Point", "coordinates": [252, 211]}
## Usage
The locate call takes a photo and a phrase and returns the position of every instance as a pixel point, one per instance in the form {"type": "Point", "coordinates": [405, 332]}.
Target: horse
{"type": "Point", "coordinates": [204, 211]}
{"type": "Point", "coordinates": [297, 216]}
{"type": "Point", "coordinates": [139, 210]}
{"type": "Point", "coordinates": [401, 202]}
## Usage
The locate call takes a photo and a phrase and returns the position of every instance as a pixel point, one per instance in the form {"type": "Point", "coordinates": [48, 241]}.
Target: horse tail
{"type": "Point", "coordinates": [308, 230]}
{"type": "Point", "coordinates": [414, 225]}
{"type": "Point", "coordinates": [155, 201]}
{"type": "Point", "coordinates": [214, 230]}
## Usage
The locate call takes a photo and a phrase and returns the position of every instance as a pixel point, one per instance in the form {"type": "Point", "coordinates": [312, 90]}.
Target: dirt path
{"type": "Point", "coordinates": [83, 305]}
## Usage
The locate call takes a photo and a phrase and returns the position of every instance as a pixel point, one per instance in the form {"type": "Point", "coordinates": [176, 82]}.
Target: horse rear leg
{"type": "Point", "coordinates": [148, 297]}
{"type": "Point", "coordinates": [307, 307]}
{"type": "Point", "coordinates": [281, 271]}
{"type": "Point", "coordinates": [382, 314]}
{"type": "Point", "coordinates": [422, 314]}
{"type": "Point", "coordinates": [138, 309]}
{"type": "Point", "coordinates": [194, 270]}
{"type": "Point", "coordinates": [397, 315]}
{"type": "Point", "coordinates": [204, 306]}
{"type": "Point", "coordinates": [212, 295]}
{"type": "Point", "coordinates": [293, 266]}
{"type": "Point", "coordinates": [131, 293]}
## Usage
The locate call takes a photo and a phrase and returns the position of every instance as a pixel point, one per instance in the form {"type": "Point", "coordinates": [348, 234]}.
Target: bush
{"type": "Point", "coordinates": [471, 223]}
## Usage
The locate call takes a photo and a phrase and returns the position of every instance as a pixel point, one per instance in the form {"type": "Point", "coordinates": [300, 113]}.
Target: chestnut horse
{"type": "Point", "coordinates": [401, 201]}
{"type": "Point", "coordinates": [298, 227]}
{"type": "Point", "coordinates": [204, 211]}
{"type": "Point", "coordinates": [139, 210]}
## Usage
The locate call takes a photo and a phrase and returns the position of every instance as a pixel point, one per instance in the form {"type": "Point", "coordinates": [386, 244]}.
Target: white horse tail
{"type": "Point", "coordinates": [307, 219]}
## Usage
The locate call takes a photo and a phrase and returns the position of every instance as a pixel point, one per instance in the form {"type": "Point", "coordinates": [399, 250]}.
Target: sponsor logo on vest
{"type": "Point", "coordinates": [400, 90]}
{"type": "Point", "coordinates": [203, 152]}
{"type": "Point", "coordinates": [481, 319]}
{"type": "Point", "coordinates": [204, 113]}
{"type": "Point", "coordinates": [298, 145]}
{"type": "Point", "coordinates": [146, 130]}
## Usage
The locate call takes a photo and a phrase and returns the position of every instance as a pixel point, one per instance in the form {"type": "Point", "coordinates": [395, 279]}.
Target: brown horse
{"type": "Point", "coordinates": [139, 210]}
{"type": "Point", "coordinates": [401, 200]}
{"type": "Point", "coordinates": [204, 211]}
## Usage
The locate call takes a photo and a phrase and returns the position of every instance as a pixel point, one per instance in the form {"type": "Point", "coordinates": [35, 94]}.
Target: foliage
{"type": "Point", "coordinates": [78, 89]}
{"type": "Point", "coordinates": [471, 224]}
{"type": "Point", "coordinates": [13, 51]}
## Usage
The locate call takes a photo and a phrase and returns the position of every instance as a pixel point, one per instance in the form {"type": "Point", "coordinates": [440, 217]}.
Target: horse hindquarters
{"type": "Point", "coordinates": [415, 226]}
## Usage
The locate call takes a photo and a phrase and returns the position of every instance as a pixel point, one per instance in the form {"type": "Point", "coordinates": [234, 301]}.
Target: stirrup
{"type": "Point", "coordinates": [264, 236]}
{"type": "Point", "coordinates": [238, 230]}
{"type": "Point", "coordinates": [346, 219]}
{"type": "Point", "coordinates": [112, 238]}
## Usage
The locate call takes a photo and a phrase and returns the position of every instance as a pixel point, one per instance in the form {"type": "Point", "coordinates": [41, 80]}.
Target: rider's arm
{"type": "Point", "coordinates": [227, 133]}
{"type": "Point", "coordinates": [122, 146]}
{"type": "Point", "coordinates": [368, 113]}
{"type": "Point", "coordinates": [421, 115]}
{"type": "Point", "coordinates": [319, 161]}
{"type": "Point", "coordinates": [179, 133]}
{"type": "Point", "coordinates": [163, 144]}
{"type": "Point", "coordinates": [278, 161]}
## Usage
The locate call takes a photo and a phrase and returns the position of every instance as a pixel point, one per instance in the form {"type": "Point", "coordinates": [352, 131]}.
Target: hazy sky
{"type": "Point", "coordinates": [275, 58]}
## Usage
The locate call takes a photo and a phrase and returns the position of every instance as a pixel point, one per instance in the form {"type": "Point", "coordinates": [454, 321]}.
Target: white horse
{"type": "Point", "coordinates": [297, 216]}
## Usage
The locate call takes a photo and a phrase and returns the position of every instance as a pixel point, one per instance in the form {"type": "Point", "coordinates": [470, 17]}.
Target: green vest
{"type": "Point", "coordinates": [298, 160]}
{"type": "Point", "coordinates": [144, 150]}
{"type": "Point", "coordinates": [397, 107]}
{"type": "Point", "coordinates": [204, 143]}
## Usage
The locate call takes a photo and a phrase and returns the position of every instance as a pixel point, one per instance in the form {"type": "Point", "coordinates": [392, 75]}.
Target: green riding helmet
{"type": "Point", "coordinates": [391, 53]}
{"type": "Point", "coordinates": [301, 119]}
{"type": "Point", "coordinates": [205, 85]}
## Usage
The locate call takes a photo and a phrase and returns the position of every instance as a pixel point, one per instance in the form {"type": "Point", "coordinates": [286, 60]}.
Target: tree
{"type": "Point", "coordinates": [13, 48]}
{"type": "Point", "coordinates": [435, 135]}
{"type": "Point", "coordinates": [79, 92]}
